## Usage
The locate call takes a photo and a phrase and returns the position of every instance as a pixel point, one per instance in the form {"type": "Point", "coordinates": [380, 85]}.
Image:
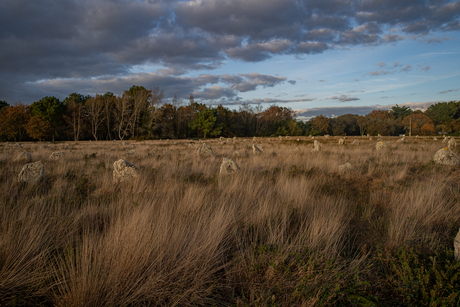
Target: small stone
{"type": "Point", "coordinates": [131, 153]}
{"type": "Point", "coordinates": [24, 157]}
{"type": "Point", "coordinates": [298, 140]}
{"type": "Point", "coordinates": [190, 145]}
{"type": "Point", "coordinates": [445, 140]}
{"type": "Point", "coordinates": [451, 144]}
{"type": "Point", "coordinates": [204, 150]}
{"type": "Point", "coordinates": [446, 156]}
{"type": "Point", "coordinates": [43, 146]}
{"type": "Point", "coordinates": [297, 149]}
{"type": "Point", "coordinates": [222, 138]}
{"type": "Point", "coordinates": [341, 141]}
{"type": "Point", "coordinates": [32, 173]}
{"type": "Point", "coordinates": [402, 140]}
{"type": "Point", "coordinates": [435, 139]}
{"type": "Point", "coordinates": [66, 146]}
{"type": "Point", "coordinates": [17, 145]}
{"type": "Point", "coordinates": [345, 167]}
{"type": "Point", "coordinates": [123, 170]}
{"type": "Point", "coordinates": [256, 150]}
{"type": "Point", "coordinates": [236, 153]}
{"type": "Point", "coordinates": [57, 155]}
{"type": "Point", "coordinates": [228, 166]}
{"type": "Point", "coordinates": [355, 142]}
{"type": "Point", "coordinates": [316, 146]}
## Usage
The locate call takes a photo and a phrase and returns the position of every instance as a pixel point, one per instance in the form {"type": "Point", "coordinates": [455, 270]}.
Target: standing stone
{"type": "Point", "coordinates": [316, 146]}
{"type": "Point", "coordinates": [256, 150]}
{"type": "Point", "coordinates": [236, 153]}
{"type": "Point", "coordinates": [204, 150]}
{"type": "Point", "coordinates": [401, 140]}
{"type": "Point", "coordinates": [222, 138]}
{"type": "Point", "coordinates": [280, 137]}
{"type": "Point", "coordinates": [355, 142]}
{"type": "Point", "coordinates": [24, 157]}
{"type": "Point", "coordinates": [345, 167]}
{"type": "Point", "coordinates": [457, 246]}
{"type": "Point", "coordinates": [190, 145]}
{"type": "Point", "coordinates": [341, 141]}
{"type": "Point", "coordinates": [131, 153]}
{"type": "Point", "coordinates": [32, 173]}
{"type": "Point", "coordinates": [57, 155]}
{"type": "Point", "coordinates": [123, 170]}
{"type": "Point", "coordinates": [17, 145]}
{"type": "Point", "coordinates": [435, 139]}
{"type": "Point", "coordinates": [445, 139]}
{"type": "Point", "coordinates": [446, 156]}
{"type": "Point", "coordinates": [228, 166]}
{"type": "Point", "coordinates": [451, 144]}
{"type": "Point", "coordinates": [381, 145]}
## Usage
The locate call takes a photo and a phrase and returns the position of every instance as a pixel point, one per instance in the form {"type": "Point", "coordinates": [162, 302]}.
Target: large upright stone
{"type": "Point", "coordinates": [204, 150]}
{"type": "Point", "coordinates": [123, 170]}
{"type": "Point", "coordinates": [256, 150]}
{"type": "Point", "coordinates": [32, 173]}
{"type": "Point", "coordinates": [446, 156]}
{"type": "Point", "coordinates": [381, 145]}
{"type": "Point", "coordinates": [316, 146]}
{"type": "Point", "coordinates": [57, 155]}
{"type": "Point", "coordinates": [341, 141]}
{"type": "Point", "coordinates": [24, 157]}
{"type": "Point", "coordinates": [457, 246]}
{"type": "Point", "coordinates": [451, 144]}
{"type": "Point", "coordinates": [228, 166]}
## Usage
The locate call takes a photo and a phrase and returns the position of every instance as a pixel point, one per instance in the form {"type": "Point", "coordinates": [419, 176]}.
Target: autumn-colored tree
{"type": "Point", "coordinates": [321, 123]}
{"type": "Point", "coordinates": [13, 121]}
{"type": "Point", "coordinates": [416, 121]}
{"type": "Point", "coordinates": [37, 128]}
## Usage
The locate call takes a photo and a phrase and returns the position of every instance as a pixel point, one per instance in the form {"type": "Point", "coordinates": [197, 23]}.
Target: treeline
{"type": "Point", "coordinates": [140, 113]}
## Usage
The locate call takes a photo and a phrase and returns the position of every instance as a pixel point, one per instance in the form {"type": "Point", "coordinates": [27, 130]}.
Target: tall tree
{"type": "Point", "coordinates": [206, 123]}
{"type": "Point", "coordinates": [75, 113]}
{"type": "Point", "coordinates": [3, 104]}
{"type": "Point", "coordinates": [401, 112]}
{"type": "Point", "coordinates": [50, 110]}
{"type": "Point", "coordinates": [95, 113]}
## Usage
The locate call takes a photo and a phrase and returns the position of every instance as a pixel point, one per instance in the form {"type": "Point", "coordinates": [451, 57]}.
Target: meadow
{"type": "Point", "coordinates": [288, 229]}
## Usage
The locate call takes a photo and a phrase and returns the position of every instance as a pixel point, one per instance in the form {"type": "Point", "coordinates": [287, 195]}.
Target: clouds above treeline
{"type": "Point", "coordinates": [358, 110]}
{"type": "Point", "coordinates": [90, 42]}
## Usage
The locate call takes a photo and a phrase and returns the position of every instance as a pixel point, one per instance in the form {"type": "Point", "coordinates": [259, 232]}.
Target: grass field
{"type": "Point", "coordinates": [287, 230]}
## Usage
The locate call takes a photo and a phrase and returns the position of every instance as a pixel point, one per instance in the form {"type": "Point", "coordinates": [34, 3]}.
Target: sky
{"type": "Point", "coordinates": [329, 57]}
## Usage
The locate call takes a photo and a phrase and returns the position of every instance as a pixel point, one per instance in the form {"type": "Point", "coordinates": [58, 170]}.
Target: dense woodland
{"type": "Point", "coordinates": [141, 113]}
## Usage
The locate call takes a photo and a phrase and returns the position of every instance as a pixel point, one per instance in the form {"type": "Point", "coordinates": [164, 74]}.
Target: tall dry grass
{"type": "Point", "coordinates": [181, 235]}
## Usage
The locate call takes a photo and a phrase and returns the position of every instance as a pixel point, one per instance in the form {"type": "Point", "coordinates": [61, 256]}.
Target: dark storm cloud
{"type": "Point", "coordinates": [89, 39]}
{"type": "Point", "coordinates": [206, 87]}
{"type": "Point", "coordinates": [449, 91]}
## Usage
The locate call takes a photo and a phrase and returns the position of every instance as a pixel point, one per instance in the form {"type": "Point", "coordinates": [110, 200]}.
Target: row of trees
{"type": "Point", "coordinates": [140, 113]}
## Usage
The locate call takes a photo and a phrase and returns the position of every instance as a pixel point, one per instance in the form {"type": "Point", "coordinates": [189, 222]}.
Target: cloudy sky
{"type": "Point", "coordinates": [326, 57]}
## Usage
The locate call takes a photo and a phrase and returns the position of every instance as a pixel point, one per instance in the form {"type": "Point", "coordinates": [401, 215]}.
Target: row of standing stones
{"type": "Point", "coordinates": [123, 170]}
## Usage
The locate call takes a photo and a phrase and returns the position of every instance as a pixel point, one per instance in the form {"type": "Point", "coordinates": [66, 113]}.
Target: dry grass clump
{"type": "Point", "coordinates": [286, 230]}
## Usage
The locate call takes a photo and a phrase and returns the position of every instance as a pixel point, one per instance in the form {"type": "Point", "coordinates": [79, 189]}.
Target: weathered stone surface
{"type": "Point", "coordinates": [297, 149]}
{"type": "Point", "coordinates": [123, 170]}
{"type": "Point", "coordinates": [402, 140]}
{"type": "Point", "coordinates": [435, 139]}
{"type": "Point", "coordinates": [43, 146]}
{"type": "Point", "coordinates": [256, 150]}
{"type": "Point", "coordinates": [298, 140]}
{"type": "Point", "coordinates": [345, 167]}
{"type": "Point", "coordinates": [229, 140]}
{"type": "Point", "coordinates": [316, 146]}
{"type": "Point", "coordinates": [236, 153]}
{"type": "Point", "coordinates": [341, 141]}
{"type": "Point", "coordinates": [355, 142]}
{"type": "Point", "coordinates": [222, 138]}
{"type": "Point", "coordinates": [204, 150]}
{"type": "Point", "coordinates": [32, 173]}
{"type": "Point", "coordinates": [446, 156]}
{"type": "Point", "coordinates": [57, 155]}
{"type": "Point", "coordinates": [381, 145]}
{"type": "Point", "coordinates": [445, 140]}
{"type": "Point", "coordinates": [451, 144]}
{"type": "Point", "coordinates": [24, 157]}
{"type": "Point", "coordinates": [66, 146]}
{"type": "Point", "coordinates": [457, 246]}
{"type": "Point", "coordinates": [326, 136]}
{"type": "Point", "coordinates": [17, 145]}
{"type": "Point", "coordinates": [254, 139]}
{"type": "Point", "coordinates": [191, 145]}
{"type": "Point", "coordinates": [228, 166]}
